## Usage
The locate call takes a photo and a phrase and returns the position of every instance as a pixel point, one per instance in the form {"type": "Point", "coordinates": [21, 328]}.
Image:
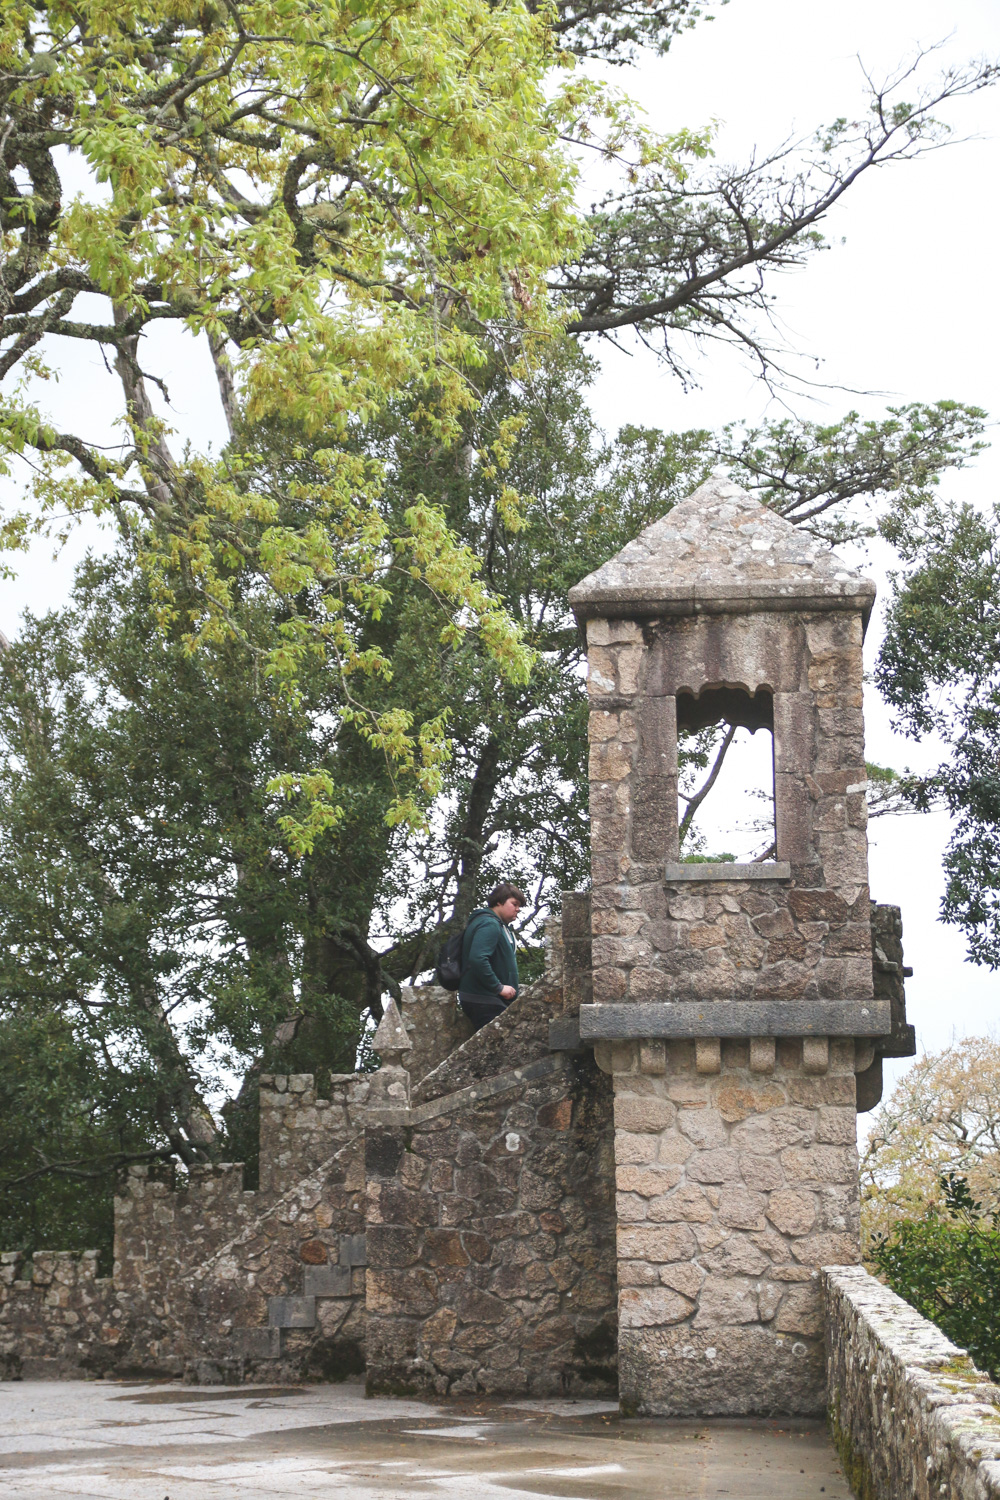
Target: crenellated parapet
{"type": "Point", "coordinates": [299, 1127]}
{"type": "Point", "coordinates": [57, 1316]}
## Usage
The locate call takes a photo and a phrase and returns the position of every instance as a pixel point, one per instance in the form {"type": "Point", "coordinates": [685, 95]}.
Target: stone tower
{"type": "Point", "coordinates": [732, 1003]}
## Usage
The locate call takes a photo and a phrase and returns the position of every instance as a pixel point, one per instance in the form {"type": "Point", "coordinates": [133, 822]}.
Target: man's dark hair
{"type": "Point", "coordinates": [503, 892]}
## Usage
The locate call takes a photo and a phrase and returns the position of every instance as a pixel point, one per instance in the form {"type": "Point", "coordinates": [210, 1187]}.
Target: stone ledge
{"type": "Point", "coordinates": [633, 601]}
{"type": "Point", "coordinates": [910, 1413]}
{"type": "Point", "coordinates": [291, 1312]}
{"type": "Point", "coordinates": [777, 869]}
{"type": "Point", "coordinates": [735, 1018]}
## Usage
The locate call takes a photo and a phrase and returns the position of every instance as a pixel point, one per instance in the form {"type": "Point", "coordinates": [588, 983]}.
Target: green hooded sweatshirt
{"type": "Point", "coordinates": [489, 958]}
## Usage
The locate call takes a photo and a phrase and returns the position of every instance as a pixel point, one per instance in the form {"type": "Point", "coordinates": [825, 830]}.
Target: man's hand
{"type": "Point", "coordinates": [507, 992]}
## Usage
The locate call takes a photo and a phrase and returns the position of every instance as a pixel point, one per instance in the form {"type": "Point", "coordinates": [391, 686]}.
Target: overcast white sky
{"type": "Point", "coordinates": [905, 307]}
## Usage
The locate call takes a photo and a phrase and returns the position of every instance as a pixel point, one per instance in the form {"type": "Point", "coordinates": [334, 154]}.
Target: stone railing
{"type": "Point", "coordinates": [910, 1413]}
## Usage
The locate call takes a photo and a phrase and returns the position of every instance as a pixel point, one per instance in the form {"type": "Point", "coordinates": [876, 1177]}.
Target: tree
{"type": "Point", "coordinates": [947, 1265]}
{"type": "Point", "coordinates": [57, 1105]}
{"type": "Point", "coordinates": [153, 903]}
{"type": "Point", "coordinates": [943, 1117]}
{"type": "Point", "coordinates": [688, 259]}
{"type": "Point", "coordinates": [939, 669]}
{"type": "Point", "coordinates": [411, 453]}
{"type": "Point", "coordinates": [344, 204]}
{"type": "Point", "coordinates": [615, 30]}
{"type": "Point", "coordinates": [348, 207]}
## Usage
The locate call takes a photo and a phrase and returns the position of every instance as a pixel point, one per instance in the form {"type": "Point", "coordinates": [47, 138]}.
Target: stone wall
{"type": "Point", "coordinates": [491, 1239]}
{"type": "Point", "coordinates": [436, 1023]}
{"type": "Point", "coordinates": [212, 1282]}
{"type": "Point", "coordinates": [912, 1417]}
{"type": "Point", "coordinates": [732, 1189]}
{"type": "Point", "coordinates": [299, 1129]}
{"type": "Point", "coordinates": [59, 1320]}
{"type": "Point", "coordinates": [798, 931]}
{"type": "Point", "coordinates": [216, 1281]}
{"type": "Point", "coordinates": [520, 1035]}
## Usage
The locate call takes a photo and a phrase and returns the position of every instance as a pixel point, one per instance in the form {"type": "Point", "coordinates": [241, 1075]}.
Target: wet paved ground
{"type": "Point", "coordinates": [105, 1440]}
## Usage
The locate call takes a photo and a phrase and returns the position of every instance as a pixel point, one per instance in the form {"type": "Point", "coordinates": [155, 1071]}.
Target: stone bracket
{"type": "Point", "coordinates": [729, 1018]}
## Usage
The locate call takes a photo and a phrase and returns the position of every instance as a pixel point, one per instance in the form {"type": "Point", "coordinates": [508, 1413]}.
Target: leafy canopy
{"type": "Point", "coordinates": [347, 200]}
{"type": "Point", "coordinates": [939, 670]}
{"type": "Point", "coordinates": [943, 1116]}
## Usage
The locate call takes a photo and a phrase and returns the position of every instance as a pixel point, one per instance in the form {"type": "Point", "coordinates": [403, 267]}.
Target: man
{"type": "Point", "coordinates": [489, 961]}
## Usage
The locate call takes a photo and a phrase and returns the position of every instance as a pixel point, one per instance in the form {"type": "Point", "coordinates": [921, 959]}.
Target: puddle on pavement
{"type": "Point", "coordinates": [184, 1395]}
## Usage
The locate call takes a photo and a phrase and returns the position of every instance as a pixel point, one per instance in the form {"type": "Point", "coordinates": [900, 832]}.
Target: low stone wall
{"type": "Point", "coordinates": [212, 1282]}
{"type": "Point", "coordinates": [60, 1320]}
{"type": "Point", "coordinates": [911, 1415]}
{"type": "Point", "coordinates": [436, 1023]}
{"type": "Point", "coordinates": [218, 1283]}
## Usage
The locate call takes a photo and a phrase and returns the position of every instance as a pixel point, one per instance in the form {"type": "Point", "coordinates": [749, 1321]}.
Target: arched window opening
{"type": "Point", "coordinates": [725, 752]}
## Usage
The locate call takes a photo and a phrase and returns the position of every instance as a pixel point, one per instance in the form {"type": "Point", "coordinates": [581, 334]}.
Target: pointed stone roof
{"type": "Point", "coordinates": [720, 552]}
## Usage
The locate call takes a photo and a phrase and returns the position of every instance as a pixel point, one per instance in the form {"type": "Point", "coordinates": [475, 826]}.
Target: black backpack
{"type": "Point", "coordinates": [448, 972]}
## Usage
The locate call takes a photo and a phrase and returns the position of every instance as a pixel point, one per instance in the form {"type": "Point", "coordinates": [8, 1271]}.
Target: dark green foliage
{"type": "Point", "coordinates": [154, 930]}
{"type": "Point", "coordinates": [939, 669]}
{"type": "Point", "coordinates": [947, 1266]}
{"type": "Point", "coordinates": [58, 1104]}
{"type": "Point", "coordinates": [615, 30]}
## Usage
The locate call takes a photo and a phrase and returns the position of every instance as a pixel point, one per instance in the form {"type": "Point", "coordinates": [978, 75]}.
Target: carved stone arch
{"type": "Point", "coordinates": [727, 703]}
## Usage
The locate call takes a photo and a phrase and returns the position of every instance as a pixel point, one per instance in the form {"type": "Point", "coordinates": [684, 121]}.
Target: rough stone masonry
{"type": "Point", "coordinates": [704, 1034]}
{"type": "Point", "coordinates": [732, 1003]}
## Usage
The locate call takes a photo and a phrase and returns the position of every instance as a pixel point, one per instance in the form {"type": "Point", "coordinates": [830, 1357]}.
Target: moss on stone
{"type": "Point", "coordinates": [857, 1470]}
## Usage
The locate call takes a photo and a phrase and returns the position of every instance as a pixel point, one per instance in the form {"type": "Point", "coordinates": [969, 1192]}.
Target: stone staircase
{"type": "Point", "coordinates": [325, 1280]}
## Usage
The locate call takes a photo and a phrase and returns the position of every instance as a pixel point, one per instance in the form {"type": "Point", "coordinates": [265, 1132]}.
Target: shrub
{"type": "Point", "coordinates": [947, 1265]}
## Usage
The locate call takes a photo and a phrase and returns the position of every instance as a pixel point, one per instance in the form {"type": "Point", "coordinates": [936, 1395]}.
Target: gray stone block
{"type": "Point", "coordinates": [257, 1343]}
{"type": "Point", "coordinates": [327, 1281]}
{"type": "Point", "coordinates": [564, 1034]}
{"type": "Point", "coordinates": [291, 1312]}
{"type": "Point", "coordinates": [676, 874]}
{"type": "Point", "coordinates": [353, 1251]}
{"type": "Point", "coordinates": [746, 1018]}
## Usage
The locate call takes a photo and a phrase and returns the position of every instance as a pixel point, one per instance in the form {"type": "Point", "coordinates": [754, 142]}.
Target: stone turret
{"type": "Point", "coordinates": [731, 1002]}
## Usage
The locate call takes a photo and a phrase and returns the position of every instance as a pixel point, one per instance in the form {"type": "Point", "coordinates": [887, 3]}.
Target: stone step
{"type": "Point", "coordinates": [291, 1312]}
{"type": "Point", "coordinates": [353, 1251]}
{"type": "Point", "coordinates": [327, 1281]}
{"type": "Point", "coordinates": [257, 1343]}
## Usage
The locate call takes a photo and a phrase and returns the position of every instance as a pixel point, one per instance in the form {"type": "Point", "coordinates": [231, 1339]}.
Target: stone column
{"type": "Point", "coordinates": [734, 1186]}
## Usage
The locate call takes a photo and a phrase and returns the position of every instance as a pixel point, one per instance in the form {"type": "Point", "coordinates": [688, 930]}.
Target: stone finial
{"type": "Point", "coordinates": [391, 1038]}
{"type": "Point", "coordinates": [391, 1084]}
